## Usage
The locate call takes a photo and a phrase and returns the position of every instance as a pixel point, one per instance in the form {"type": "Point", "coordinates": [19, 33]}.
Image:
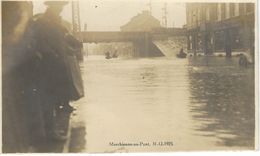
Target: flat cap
{"type": "Point", "coordinates": [55, 3]}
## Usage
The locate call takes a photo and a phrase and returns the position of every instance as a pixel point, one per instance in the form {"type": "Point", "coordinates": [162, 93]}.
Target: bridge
{"type": "Point", "coordinates": [122, 36]}
{"type": "Point", "coordinates": [118, 36]}
{"type": "Point", "coordinates": [142, 41]}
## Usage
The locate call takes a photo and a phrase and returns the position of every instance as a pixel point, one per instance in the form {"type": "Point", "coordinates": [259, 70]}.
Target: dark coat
{"type": "Point", "coordinates": [50, 46]}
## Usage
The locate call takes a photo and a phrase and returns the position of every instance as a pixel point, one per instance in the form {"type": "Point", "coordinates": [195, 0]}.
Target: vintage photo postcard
{"type": "Point", "coordinates": [127, 76]}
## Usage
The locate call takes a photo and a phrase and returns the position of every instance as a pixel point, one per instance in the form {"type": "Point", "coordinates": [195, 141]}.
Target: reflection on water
{"type": "Point", "coordinates": [222, 100]}
{"type": "Point", "coordinates": [196, 103]}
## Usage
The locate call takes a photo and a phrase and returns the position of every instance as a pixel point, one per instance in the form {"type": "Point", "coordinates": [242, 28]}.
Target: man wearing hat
{"type": "Point", "coordinates": [53, 78]}
{"type": "Point", "coordinates": [55, 7]}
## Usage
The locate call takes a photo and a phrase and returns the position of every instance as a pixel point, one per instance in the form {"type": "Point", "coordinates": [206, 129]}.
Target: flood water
{"type": "Point", "coordinates": [203, 103]}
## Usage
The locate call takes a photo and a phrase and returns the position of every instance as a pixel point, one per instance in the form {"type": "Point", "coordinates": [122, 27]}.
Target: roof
{"type": "Point", "coordinates": [142, 22]}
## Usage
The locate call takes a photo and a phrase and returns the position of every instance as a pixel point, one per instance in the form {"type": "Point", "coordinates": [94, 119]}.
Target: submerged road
{"type": "Point", "coordinates": [164, 104]}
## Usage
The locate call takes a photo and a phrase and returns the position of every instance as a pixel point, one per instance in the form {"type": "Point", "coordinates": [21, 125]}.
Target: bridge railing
{"type": "Point", "coordinates": [112, 36]}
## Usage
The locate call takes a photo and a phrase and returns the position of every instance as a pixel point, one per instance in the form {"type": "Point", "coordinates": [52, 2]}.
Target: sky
{"type": "Point", "coordinates": [109, 15]}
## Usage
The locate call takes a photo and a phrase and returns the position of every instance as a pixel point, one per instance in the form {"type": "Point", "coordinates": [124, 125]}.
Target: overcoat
{"type": "Point", "coordinates": [50, 46]}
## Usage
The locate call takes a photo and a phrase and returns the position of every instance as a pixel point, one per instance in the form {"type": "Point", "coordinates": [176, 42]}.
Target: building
{"type": "Point", "coordinates": [220, 27]}
{"type": "Point", "coordinates": [144, 22]}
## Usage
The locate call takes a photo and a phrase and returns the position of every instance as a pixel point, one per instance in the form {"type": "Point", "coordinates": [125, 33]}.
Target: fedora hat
{"type": "Point", "coordinates": [55, 3]}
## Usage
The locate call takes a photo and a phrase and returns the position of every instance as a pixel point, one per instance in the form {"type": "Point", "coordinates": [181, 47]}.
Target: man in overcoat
{"type": "Point", "coordinates": [54, 82]}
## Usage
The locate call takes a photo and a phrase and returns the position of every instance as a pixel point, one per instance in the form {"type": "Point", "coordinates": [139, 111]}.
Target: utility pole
{"type": "Point", "coordinates": [164, 16]}
{"type": "Point", "coordinates": [150, 6]}
{"type": "Point", "coordinates": [75, 17]}
{"type": "Point", "coordinates": [76, 26]}
{"type": "Point", "coordinates": [86, 47]}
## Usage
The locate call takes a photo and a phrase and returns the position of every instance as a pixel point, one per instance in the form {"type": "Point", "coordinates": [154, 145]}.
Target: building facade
{"type": "Point", "coordinates": [220, 27]}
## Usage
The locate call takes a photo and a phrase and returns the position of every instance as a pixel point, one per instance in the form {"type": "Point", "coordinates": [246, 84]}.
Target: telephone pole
{"type": "Point", "coordinates": [150, 6]}
{"type": "Point", "coordinates": [76, 26]}
{"type": "Point", "coordinates": [164, 16]}
{"type": "Point", "coordinates": [86, 45]}
{"type": "Point", "coordinates": [75, 17]}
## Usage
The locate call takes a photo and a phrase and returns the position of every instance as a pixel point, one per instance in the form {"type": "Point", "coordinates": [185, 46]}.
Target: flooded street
{"type": "Point", "coordinates": [192, 104]}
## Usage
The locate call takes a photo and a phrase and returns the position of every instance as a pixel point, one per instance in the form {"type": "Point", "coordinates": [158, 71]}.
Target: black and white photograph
{"type": "Point", "coordinates": [129, 76]}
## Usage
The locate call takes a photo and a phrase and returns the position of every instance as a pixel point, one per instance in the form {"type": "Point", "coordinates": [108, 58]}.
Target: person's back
{"type": "Point", "coordinates": [54, 82]}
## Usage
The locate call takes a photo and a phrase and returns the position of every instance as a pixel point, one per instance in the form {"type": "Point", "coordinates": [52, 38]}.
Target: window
{"type": "Point", "coordinates": [236, 39]}
{"type": "Point", "coordinates": [194, 17]}
{"type": "Point", "coordinates": [199, 16]}
{"type": "Point", "coordinates": [219, 12]}
{"type": "Point", "coordinates": [207, 14]}
{"type": "Point", "coordinates": [203, 13]}
{"type": "Point", "coordinates": [236, 9]}
{"type": "Point", "coordinates": [232, 9]}
{"type": "Point", "coordinates": [219, 40]}
{"type": "Point", "coordinates": [188, 19]}
{"type": "Point", "coordinates": [250, 7]}
{"type": "Point", "coordinates": [213, 11]}
{"type": "Point", "coordinates": [227, 11]}
{"type": "Point", "coordinates": [241, 8]}
{"type": "Point", "coordinates": [191, 17]}
{"type": "Point", "coordinates": [190, 39]}
{"type": "Point", "coordinates": [223, 11]}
